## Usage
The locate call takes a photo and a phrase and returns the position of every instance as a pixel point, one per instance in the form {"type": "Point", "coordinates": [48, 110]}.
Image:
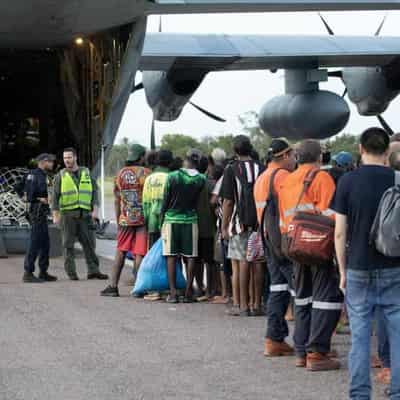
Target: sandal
{"type": "Point", "coordinates": [189, 300]}
{"type": "Point", "coordinates": [219, 300]}
{"type": "Point", "coordinates": [257, 312]}
{"type": "Point", "coordinates": [234, 311]}
{"type": "Point", "coordinates": [172, 299]}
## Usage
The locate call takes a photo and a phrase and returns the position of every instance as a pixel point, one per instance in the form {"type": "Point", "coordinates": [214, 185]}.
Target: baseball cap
{"type": "Point", "coordinates": [136, 152]}
{"type": "Point", "coordinates": [279, 147]}
{"type": "Point", "coordinates": [45, 157]}
{"type": "Point", "coordinates": [343, 159]}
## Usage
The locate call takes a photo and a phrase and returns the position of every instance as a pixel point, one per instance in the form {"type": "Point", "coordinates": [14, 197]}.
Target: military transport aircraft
{"type": "Point", "coordinates": [67, 68]}
{"type": "Point", "coordinates": [371, 75]}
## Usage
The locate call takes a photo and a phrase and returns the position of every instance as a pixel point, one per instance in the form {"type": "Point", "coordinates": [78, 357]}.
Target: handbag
{"type": "Point", "coordinates": [255, 248]}
{"type": "Point", "coordinates": [310, 239]}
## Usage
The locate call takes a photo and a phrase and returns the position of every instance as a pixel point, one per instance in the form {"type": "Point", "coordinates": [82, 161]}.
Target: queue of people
{"type": "Point", "coordinates": [235, 219]}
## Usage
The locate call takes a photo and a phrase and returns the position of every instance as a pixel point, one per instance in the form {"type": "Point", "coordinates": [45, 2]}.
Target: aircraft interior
{"type": "Point", "coordinates": [55, 98]}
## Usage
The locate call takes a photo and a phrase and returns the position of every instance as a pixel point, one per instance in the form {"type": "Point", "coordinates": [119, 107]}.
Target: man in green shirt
{"type": "Point", "coordinates": [153, 195]}
{"type": "Point", "coordinates": [74, 205]}
{"type": "Point", "coordinates": [180, 222]}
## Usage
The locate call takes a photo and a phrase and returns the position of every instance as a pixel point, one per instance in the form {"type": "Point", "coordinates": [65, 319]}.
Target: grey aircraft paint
{"type": "Point", "coordinates": [370, 75]}
{"type": "Point", "coordinates": [49, 23]}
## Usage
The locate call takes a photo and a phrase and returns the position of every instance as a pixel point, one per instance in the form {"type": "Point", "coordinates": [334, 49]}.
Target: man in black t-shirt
{"type": "Point", "coordinates": [371, 280]}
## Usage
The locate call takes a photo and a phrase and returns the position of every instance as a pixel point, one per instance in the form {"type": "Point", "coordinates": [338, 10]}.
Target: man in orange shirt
{"type": "Point", "coordinates": [318, 298]}
{"type": "Point", "coordinates": [283, 161]}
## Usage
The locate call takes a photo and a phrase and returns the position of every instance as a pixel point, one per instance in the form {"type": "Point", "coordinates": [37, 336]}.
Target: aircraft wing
{"type": "Point", "coordinates": [256, 52]}
{"type": "Point", "coordinates": [212, 6]}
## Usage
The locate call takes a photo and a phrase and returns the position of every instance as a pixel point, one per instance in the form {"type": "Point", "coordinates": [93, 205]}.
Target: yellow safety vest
{"type": "Point", "coordinates": [73, 198]}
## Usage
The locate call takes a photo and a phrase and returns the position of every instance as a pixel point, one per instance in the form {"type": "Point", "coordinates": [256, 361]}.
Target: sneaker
{"type": "Point", "coordinates": [321, 362]}
{"type": "Point", "coordinates": [44, 276]}
{"type": "Point", "coordinates": [73, 277]}
{"type": "Point", "coordinates": [98, 275]}
{"type": "Point", "coordinates": [277, 349]}
{"type": "Point", "coordinates": [110, 291]}
{"type": "Point", "coordinates": [30, 278]}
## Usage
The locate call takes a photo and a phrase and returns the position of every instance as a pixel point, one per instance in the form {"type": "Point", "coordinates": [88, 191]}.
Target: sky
{"type": "Point", "coordinates": [230, 94]}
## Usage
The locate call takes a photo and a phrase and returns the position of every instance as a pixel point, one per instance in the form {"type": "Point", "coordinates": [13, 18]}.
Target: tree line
{"type": "Point", "coordinates": [180, 143]}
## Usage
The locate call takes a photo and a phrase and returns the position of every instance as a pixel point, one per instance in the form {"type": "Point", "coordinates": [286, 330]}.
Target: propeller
{"type": "Point", "coordinates": [328, 28]}
{"type": "Point", "coordinates": [385, 125]}
{"type": "Point", "coordinates": [160, 24]}
{"type": "Point", "coordinates": [153, 135]}
{"type": "Point", "coordinates": [207, 113]}
{"type": "Point", "coordinates": [139, 86]}
{"type": "Point", "coordinates": [339, 74]}
{"type": "Point", "coordinates": [378, 32]}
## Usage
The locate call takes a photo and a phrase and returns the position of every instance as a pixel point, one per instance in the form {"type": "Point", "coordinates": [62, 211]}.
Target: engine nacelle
{"type": "Point", "coordinates": [315, 114]}
{"type": "Point", "coordinates": [168, 92]}
{"type": "Point", "coordinates": [369, 89]}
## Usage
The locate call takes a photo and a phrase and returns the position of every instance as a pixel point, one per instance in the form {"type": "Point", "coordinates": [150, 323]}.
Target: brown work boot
{"type": "Point", "coordinates": [277, 349]}
{"type": "Point", "coordinates": [301, 362]}
{"type": "Point", "coordinates": [384, 376]}
{"type": "Point", "coordinates": [321, 362]}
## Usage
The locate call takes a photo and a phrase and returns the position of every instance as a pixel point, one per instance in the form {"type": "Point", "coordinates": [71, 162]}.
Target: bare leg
{"type": "Point", "coordinates": [235, 282]}
{"type": "Point", "coordinates": [224, 284]}
{"type": "Point", "coordinates": [136, 265]}
{"type": "Point", "coordinates": [171, 264]}
{"type": "Point", "coordinates": [190, 278]}
{"type": "Point", "coordinates": [117, 267]}
{"type": "Point", "coordinates": [258, 284]}
{"type": "Point", "coordinates": [210, 290]}
{"type": "Point", "coordinates": [251, 286]}
{"type": "Point", "coordinates": [217, 279]}
{"type": "Point", "coordinates": [199, 275]}
{"type": "Point", "coordinates": [244, 285]}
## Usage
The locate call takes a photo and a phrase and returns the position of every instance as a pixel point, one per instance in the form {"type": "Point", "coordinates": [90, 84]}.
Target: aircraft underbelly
{"type": "Point", "coordinates": [27, 24]}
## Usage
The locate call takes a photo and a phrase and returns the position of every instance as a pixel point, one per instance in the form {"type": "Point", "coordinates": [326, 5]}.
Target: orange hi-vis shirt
{"type": "Point", "coordinates": [261, 187]}
{"type": "Point", "coordinates": [317, 197]}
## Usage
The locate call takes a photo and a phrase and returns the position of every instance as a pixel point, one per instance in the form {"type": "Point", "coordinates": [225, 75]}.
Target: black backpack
{"type": "Point", "coordinates": [245, 204]}
{"type": "Point", "coordinates": [270, 230]}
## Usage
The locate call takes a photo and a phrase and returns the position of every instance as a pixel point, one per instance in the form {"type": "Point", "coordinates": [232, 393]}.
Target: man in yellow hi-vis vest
{"type": "Point", "coordinates": [74, 206]}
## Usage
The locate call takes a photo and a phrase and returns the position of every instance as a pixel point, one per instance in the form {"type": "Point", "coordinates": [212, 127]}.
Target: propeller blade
{"type": "Point", "coordinates": [208, 113]}
{"type": "Point", "coordinates": [328, 28]}
{"type": "Point", "coordinates": [344, 93]}
{"type": "Point", "coordinates": [139, 86]}
{"type": "Point", "coordinates": [160, 24]}
{"type": "Point", "coordinates": [378, 32]}
{"type": "Point", "coordinates": [335, 74]}
{"type": "Point", "coordinates": [385, 125]}
{"type": "Point", "coordinates": [153, 135]}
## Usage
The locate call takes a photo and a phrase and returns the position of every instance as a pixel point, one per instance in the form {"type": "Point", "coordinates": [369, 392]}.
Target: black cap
{"type": "Point", "coordinates": [279, 147]}
{"type": "Point", "coordinates": [165, 157]}
{"type": "Point", "coordinates": [45, 157]}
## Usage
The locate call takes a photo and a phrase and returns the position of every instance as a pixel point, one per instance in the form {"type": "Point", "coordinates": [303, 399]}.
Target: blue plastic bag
{"type": "Point", "coordinates": [153, 274]}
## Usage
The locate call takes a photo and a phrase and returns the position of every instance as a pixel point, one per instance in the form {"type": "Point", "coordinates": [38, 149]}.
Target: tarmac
{"type": "Point", "coordinates": [63, 341]}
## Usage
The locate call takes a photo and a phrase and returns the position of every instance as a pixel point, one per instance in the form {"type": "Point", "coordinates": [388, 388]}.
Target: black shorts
{"type": "Point", "coordinates": [206, 250]}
